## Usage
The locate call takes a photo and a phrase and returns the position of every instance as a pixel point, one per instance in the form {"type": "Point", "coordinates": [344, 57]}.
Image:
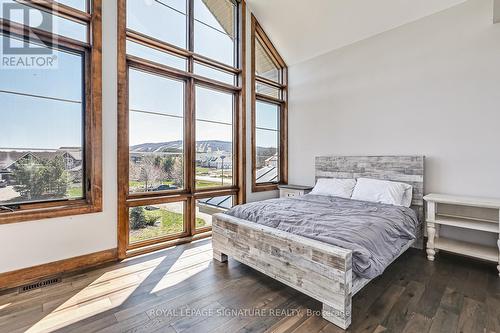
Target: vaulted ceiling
{"type": "Point", "coordinates": [304, 29]}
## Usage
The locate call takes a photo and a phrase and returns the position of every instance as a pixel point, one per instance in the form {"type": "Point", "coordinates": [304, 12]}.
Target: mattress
{"type": "Point", "coordinates": [358, 282]}
{"type": "Point", "coordinates": [375, 233]}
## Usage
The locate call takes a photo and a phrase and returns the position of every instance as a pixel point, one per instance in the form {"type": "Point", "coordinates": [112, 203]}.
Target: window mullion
{"type": "Point", "coordinates": [190, 34]}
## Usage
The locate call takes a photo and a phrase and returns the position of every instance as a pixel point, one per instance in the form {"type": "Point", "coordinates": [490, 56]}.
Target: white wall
{"type": "Point", "coordinates": [37, 242]}
{"type": "Point", "coordinates": [430, 87]}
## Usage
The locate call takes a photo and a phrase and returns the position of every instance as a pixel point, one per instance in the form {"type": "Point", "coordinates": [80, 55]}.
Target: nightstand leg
{"type": "Point", "coordinates": [498, 267]}
{"type": "Point", "coordinates": [438, 229]}
{"type": "Point", "coordinates": [431, 234]}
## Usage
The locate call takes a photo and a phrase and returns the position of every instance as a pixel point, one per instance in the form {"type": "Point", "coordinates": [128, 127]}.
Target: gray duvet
{"type": "Point", "coordinates": [375, 232]}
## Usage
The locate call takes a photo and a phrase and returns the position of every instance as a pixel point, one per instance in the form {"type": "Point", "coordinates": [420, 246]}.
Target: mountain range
{"type": "Point", "coordinates": [176, 146]}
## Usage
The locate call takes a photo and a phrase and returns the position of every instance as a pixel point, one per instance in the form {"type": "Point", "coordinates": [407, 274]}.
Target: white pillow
{"type": "Point", "coordinates": [383, 191]}
{"type": "Point", "coordinates": [334, 187]}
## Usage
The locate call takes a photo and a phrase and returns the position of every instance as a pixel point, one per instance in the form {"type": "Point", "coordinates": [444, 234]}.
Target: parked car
{"type": "Point", "coordinates": [3, 183]}
{"type": "Point", "coordinates": [165, 188]}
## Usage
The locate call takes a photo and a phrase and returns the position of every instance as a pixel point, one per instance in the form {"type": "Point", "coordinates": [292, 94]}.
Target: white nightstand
{"type": "Point", "coordinates": [289, 191]}
{"type": "Point", "coordinates": [437, 217]}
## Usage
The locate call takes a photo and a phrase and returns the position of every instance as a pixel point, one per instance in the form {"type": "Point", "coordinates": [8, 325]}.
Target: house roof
{"type": "Point", "coordinates": [8, 158]}
{"type": "Point", "coordinates": [272, 158]}
{"type": "Point", "coordinates": [222, 11]}
{"type": "Point", "coordinates": [267, 174]}
{"type": "Point", "coordinates": [225, 202]}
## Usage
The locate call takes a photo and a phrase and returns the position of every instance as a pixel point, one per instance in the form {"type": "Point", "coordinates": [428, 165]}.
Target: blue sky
{"type": "Point", "coordinates": [29, 122]}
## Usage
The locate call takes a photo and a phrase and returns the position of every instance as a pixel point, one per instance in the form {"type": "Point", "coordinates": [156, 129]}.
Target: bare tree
{"type": "Point", "coordinates": [173, 167]}
{"type": "Point", "coordinates": [148, 170]}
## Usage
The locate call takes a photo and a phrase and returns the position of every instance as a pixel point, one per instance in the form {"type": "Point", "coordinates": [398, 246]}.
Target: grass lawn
{"type": "Point", "coordinates": [200, 223]}
{"type": "Point", "coordinates": [75, 192]}
{"type": "Point", "coordinates": [170, 223]}
{"type": "Point", "coordinates": [140, 185]}
{"type": "Point", "coordinates": [202, 171]}
{"type": "Point", "coordinates": [206, 183]}
{"type": "Point", "coordinates": [135, 183]}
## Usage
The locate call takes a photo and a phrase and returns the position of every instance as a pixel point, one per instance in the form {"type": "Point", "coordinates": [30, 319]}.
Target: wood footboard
{"type": "Point", "coordinates": [319, 270]}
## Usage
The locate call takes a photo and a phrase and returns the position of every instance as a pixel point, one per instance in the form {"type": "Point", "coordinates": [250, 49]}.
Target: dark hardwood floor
{"type": "Point", "coordinates": [183, 290]}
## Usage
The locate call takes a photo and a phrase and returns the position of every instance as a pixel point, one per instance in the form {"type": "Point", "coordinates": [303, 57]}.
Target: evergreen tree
{"type": "Point", "coordinates": [41, 179]}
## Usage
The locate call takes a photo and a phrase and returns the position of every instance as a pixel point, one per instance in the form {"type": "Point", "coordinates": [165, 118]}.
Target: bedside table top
{"type": "Point", "coordinates": [462, 200]}
{"type": "Point", "coordinates": [296, 187]}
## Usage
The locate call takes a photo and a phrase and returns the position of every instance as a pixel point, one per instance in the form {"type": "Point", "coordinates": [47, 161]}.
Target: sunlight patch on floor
{"type": "Point", "coordinates": [4, 306]}
{"type": "Point", "coordinates": [186, 266]}
{"type": "Point", "coordinates": [96, 298]}
{"type": "Point", "coordinates": [113, 288]}
{"type": "Point", "coordinates": [59, 319]}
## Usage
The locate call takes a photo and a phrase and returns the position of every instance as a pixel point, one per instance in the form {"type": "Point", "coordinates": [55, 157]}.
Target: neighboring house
{"type": "Point", "coordinates": [271, 161]}
{"type": "Point", "coordinates": [211, 160]}
{"type": "Point", "coordinates": [9, 159]}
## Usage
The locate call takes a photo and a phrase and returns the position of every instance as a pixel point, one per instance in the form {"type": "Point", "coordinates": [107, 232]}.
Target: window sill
{"type": "Point", "coordinates": [265, 187]}
{"type": "Point", "coordinates": [50, 210]}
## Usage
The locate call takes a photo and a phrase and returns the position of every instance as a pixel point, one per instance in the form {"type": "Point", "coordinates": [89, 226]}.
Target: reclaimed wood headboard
{"type": "Point", "coordinates": [399, 168]}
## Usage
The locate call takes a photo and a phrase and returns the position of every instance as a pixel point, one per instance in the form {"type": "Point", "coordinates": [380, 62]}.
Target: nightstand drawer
{"type": "Point", "coordinates": [289, 193]}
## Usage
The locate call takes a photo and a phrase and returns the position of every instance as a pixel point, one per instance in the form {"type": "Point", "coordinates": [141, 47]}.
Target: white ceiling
{"type": "Point", "coordinates": [303, 29]}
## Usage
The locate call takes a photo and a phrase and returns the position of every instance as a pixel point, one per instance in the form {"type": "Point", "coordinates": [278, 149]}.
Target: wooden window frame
{"type": "Point", "coordinates": [92, 147]}
{"type": "Point", "coordinates": [189, 193]}
{"type": "Point", "coordinates": [258, 33]}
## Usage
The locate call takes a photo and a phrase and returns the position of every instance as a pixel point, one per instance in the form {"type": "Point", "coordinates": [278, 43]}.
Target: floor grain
{"type": "Point", "coordinates": [183, 290]}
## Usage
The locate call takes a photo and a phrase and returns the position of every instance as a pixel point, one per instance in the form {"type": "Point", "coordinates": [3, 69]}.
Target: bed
{"type": "Point", "coordinates": [318, 267]}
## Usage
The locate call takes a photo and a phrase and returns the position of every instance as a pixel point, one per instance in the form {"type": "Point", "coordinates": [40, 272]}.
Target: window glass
{"type": "Point", "coordinates": [264, 65]}
{"type": "Point", "coordinates": [206, 207]}
{"type": "Point", "coordinates": [42, 20]}
{"type": "Point", "coordinates": [160, 19]}
{"type": "Point", "coordinates": [214, 29]}
{"type": "Point", "coordinates": [219, 14]}
{"type": "Point", "coordinates": [268, 90]}
{"type": "Point", "coordinates": [77, 4]}
{"type": "Point", "coordinates": [267, 116]}
{"type": "Point", "coordinates": [156, 132]}
{"type": "Point", "coordinates": [214, 138]}
{"type": "Point", "coordinates": [155, 221]}
{"type": "Point", "coordinates": [267, 138]}
{"type": "Point", "coordinates": [154, 55]}
{"type": "Point", "coordinates": [214, 74]}
{"type": "Point", "coordinates": [41, 155]}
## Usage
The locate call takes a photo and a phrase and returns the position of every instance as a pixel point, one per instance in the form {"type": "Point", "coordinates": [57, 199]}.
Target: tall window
{"type": "Point", "coordinates": [269, 113]}
{"type": "Point", "coordinates": [50, 86]}
{"type": "Point", "coordinates": [179, 118]}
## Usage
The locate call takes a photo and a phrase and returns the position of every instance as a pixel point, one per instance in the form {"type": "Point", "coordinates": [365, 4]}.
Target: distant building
{"type": "Point", "coordinates": [72, 160]}
{"type": "Point", "coordinates": [271, 161]}
{"type": "Point", "coordinates": [214, 160]}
